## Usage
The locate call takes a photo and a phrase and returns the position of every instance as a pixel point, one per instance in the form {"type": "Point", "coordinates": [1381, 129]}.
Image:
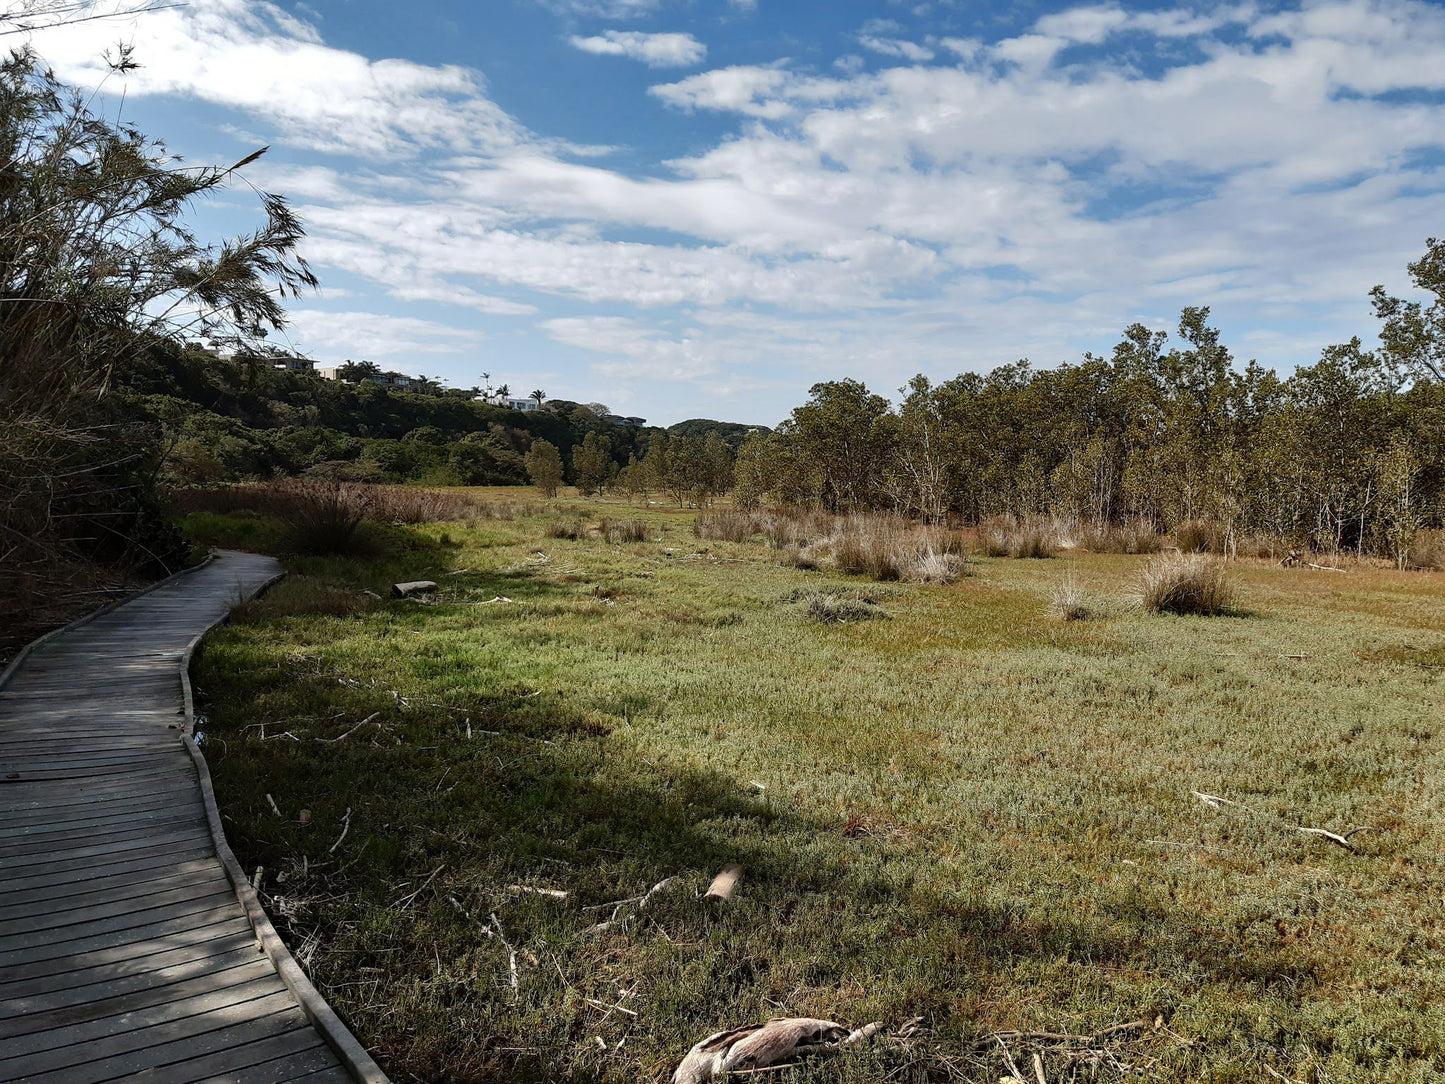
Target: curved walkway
{"type": "Point", "coordinates": [126, 951]}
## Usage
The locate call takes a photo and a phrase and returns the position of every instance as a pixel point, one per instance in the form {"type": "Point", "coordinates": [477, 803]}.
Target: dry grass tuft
{"type": "Point", "coordinates": [624, 530]}
{"type": "Point", "coordinates": [727, 525]}
{"type": "Point", "coordinates": [1198, 536]}
{"type": "Point", "coordinates": [936, 568]}
{"type": "Point", "coordinates": [1030, 537]}
{"type": "Point", "coordinates": [1186, 583]}
{"type": "Point", "coordinates": [572, 528]}
{"type": "Point", "coordinates": [840, 605]}
{"type": "Point", "coordinates": [1136, 536]}
{"type": "Point", "coordinates": [401, 504]}
{"type": "Point", "coordinates": [1068, 602]}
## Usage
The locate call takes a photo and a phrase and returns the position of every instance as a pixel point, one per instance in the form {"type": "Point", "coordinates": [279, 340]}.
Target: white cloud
{"type": "Point", "coordinates": [375, 337]}
{"type": "Point", "coordinates": [655, 50]}
{"type": "Point", "coordinates": [897, 47]}
{"type": "Point", "coordinates": [255, 57]}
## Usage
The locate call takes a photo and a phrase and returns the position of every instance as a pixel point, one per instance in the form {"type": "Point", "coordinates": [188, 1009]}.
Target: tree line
{"type": "Point", "coordinates": [1348, 452]}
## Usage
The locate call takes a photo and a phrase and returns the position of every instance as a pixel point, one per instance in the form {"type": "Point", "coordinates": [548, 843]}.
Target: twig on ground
{"type": "Point", "coordinates": [407, 901]}
{"type": "Point", "coordinates": [345, 827]}
{"type": "Point", "coordinates": [274, 807]}
{"type": "Point", "coordinates": [353, 730]}
{"type": "Point", "coordinates": [511, 953]}
{"type": "Point", "coordinates": [1338, 839]}
{"type": "Point", "coordinates": [617, 917]}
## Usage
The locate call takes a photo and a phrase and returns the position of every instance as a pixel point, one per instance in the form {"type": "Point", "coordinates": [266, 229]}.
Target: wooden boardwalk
{"type": "Point", "coordinates": [126, 951]}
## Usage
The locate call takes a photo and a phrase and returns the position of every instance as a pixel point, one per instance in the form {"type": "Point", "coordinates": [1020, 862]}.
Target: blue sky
{"type": "Point", "coordinates": [690, 208]}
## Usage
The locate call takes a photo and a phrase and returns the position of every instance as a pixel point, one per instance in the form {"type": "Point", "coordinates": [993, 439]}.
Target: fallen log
{"type": "Point", "coordinates": [776, 1044]}
{"type": "Point", "coordinates": [412, 588]}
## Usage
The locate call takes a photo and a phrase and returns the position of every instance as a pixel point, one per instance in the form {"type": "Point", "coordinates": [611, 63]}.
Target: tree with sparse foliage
{"type": "Point", "coordinates": [1414, 333]}
{"type": "Point", "coordinates": [592, 464]}
{"type": "Point", "coordinates": [544, 466]}
{"type": "Point", "coordinates": [97, 269]}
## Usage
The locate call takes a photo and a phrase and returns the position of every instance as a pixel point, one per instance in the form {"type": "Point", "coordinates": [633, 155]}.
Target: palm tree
{"type": "Point", "coordinates": [538, 395]}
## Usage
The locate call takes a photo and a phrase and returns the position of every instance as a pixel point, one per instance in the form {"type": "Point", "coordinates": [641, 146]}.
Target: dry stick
{"type": "Point", "coordinates": [274, 807]}
{"type": "Point", "coordinates": [1216, 802]}
{"type": "Point", "coordinates": [641, 901]}
{"type": "Point", "coordinates": [550, 893]}
{"type": "Point", "coordinates": [609, 1008]}
{"type": "Point", "coordinates": [511, 953]}
{"type": "Point", "coordinates": [407, 901]}
{"type": "Point", "coordinates": [1039, 1068]}
{"type": "Point", "coordinates": [353, 730]}
{"type": "Point", "coordinates": [345, 827]}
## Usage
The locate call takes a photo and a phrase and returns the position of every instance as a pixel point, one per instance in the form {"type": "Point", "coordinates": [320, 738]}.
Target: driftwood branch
{"type": "Point", "coordinates": [765, 1048]}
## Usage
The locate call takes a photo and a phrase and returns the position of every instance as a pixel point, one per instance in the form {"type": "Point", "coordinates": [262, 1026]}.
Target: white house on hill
{"type": "Point", "coordinates": [508, 402]}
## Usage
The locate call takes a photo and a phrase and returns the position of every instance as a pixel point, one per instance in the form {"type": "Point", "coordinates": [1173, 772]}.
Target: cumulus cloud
{"type": "Point", "coordinates": [655, 50]}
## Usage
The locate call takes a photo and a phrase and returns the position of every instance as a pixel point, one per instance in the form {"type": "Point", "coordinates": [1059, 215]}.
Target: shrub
{"type": "Point", "coordinates": [726, 525]}
{"type": "Point", "coordinates": [399, 504]}
{"type": "Point", "coordinates": [1031, 537]}
{"type": "Point", "coordinates": [627, 530]}
{"type": "Point", "coordinates": [1424, 550]}
{"type": "Point", "coordinates": [1136, 536]}
{"type": "Point", "coordinates": [795, 528]}
{"type": "Point", "coordinates": [869, 547]}
{"type": "Point", "coordinates": [322, 517]}
{"type": "Point", "coordinates": [1186, 583]}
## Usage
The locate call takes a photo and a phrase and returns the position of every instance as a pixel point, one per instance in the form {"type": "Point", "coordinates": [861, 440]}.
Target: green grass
{"type": "Point", "coordinates": [969, 812]}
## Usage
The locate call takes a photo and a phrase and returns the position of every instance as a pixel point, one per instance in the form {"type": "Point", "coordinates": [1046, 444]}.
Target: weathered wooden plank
{"type": "Point", "coordinates": [33, 823]}
{"type": "Point", "coordinates": [262, 1028]}
{"type": "Point", "coordinates": [336, 1075]}
{"type": "Point", "coordinates": [293, 1055]}
{"type": "Point", "coordinates": [136, 861]}
{"type": "Point", "coordinates": [26, 798]}
{"type": "Point", "coordinates": [123, 887]}
{"type": "Point", "coordinates": [158, 809]}
{"type": "Point", "coordinates": [87, 984]}
{"type": "Point", "coordinates": [82, 1059]}
{"type": "Point", "coordinates": [124, 953]}
{"type": "Point", "coordinates": [61, 1024]}
{"type": "Point", "coordinates": [66, 839]}
{"type": "Point", "coordinates": [54, 923]}
{"type": "Point", "coordinates": [66, 857]}
{"type": "Point", "coordinates": [109, 933]}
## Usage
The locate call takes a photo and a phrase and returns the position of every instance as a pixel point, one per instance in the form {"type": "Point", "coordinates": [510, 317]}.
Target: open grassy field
{"type": "Point", "coordinates": [963, 810]}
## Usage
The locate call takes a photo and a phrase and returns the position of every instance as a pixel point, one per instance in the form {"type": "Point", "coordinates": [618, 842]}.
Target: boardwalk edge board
{"type": "Point", "coordinates": [352, 1054]}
